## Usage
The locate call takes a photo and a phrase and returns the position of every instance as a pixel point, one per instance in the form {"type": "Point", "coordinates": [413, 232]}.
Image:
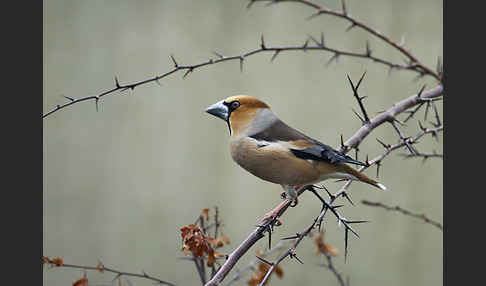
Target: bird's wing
{"type": "Point", "coordinates": [300, 145]}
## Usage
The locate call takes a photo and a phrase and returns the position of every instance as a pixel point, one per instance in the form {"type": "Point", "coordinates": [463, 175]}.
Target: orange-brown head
{"type": "Point", "coordinates": [238, 111]}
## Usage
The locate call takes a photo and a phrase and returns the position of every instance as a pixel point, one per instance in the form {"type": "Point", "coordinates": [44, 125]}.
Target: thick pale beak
{"type": "Point", "coordinates": [219, 109]}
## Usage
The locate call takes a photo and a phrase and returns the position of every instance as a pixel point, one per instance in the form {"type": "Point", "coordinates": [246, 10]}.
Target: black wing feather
{"type": "Point", "coordinates": [279, 131]}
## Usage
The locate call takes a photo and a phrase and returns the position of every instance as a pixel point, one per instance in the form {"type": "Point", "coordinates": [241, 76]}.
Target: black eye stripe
{"type": "Point", "coordinates": [232, 105]}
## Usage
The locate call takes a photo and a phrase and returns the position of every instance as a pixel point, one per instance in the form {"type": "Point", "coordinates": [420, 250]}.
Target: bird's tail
{"type": "Point", "coordinates": [363, 178]}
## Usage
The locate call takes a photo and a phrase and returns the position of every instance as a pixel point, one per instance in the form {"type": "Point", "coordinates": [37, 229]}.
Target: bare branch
{"type": "Point", "coordinates": [404, 211]}
{"type": "Point", "coordinates": [101, 268]}
{"type": "Point", "coordinates": [191, 68]}
{"type": "Point", "coordinates": [322, 10]}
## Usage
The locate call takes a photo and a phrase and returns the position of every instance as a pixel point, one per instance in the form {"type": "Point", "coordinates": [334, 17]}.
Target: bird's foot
{"type": "Point", "coordinates": [271, 216]}
{"type": "Point", "coordinates": [294, 202]}
{"type": "Point", "coordinates": [291, 195]}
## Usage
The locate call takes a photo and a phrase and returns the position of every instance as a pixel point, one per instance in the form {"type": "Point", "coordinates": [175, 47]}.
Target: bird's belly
{"type": "Point", "coordinates": [273, 163]}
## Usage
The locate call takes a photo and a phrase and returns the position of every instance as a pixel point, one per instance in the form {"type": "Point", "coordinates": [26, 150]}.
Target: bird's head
{"type": "Point", "coordinates": [238, 111]}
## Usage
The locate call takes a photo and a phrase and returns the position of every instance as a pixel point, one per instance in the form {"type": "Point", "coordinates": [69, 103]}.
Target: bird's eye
{"type": "Point", "coordinates": [235, 104]}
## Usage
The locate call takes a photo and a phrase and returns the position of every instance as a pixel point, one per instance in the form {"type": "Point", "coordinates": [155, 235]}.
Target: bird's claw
{"type": "Point", "coordinates": [294, 202]}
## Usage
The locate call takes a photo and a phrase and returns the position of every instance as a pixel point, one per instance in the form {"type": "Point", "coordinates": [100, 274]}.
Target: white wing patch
{"type": "Point", "coordinates": [262, 143]}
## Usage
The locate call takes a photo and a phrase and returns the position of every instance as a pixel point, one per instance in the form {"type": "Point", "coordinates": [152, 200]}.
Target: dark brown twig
{"type": "Point", "coordinates": [190, 68]}
{"type": "Point", "coordinates": [414, 63]}
{"type": "Point", "coordinates": [102, 268]}
{"type": "Point", "coordinates": [404, 211]}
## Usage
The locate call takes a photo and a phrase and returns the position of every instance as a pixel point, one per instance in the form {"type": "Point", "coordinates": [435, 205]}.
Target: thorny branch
{"type": "Point", "coordinates": [404, 211]}
{"type": "Point", "coordinates": [252, 265]}
{"type": "Point", "coordinates": [426, 97]}
{"type": "Point", "coordinates": [413, 64]}
{"type": "Point", "coordinates": [102, 268]}
{"type": "Point", "coordinates": [317, 221]}
{"type": "Point", "coordinates": [387, 116]}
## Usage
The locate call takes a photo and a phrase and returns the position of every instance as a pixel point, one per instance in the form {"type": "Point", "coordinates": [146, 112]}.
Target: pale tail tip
{"type": "Point", "coordinates": [381, 186]}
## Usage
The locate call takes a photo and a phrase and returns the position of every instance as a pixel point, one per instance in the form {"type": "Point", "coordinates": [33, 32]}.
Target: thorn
{"type": "Point", "coordinates": [386, 146]}
{"type": "Point", "coordinates": [117, 84]}
{"type": "Point", "coordinates": [70, 98]}
{"type": "Point", "coordinates": [297, 235]}
{"type": "Point", "coordinates": [358, 98]}
{"type": "Point", "coordinates": [357, 221]}
{"type": "Point", "coordinates": [362, 120]}
{"type": "Point", "coordinates": [269, 239]}
{"type": "Point", "coordinates": [187, 72]}
{"type": "Point", "coordinates": [378, 165]}
{"type": "Point", "coordinates": [274, 55]}
{"type": "Point", "coordinates": [421, 126]}
{"type": "Point", "coordinates": [293, 255]}
{"type": "Point", "coordinates": [96, 102]}
{"type": "Point", "coordinates": [262, 44]}
{"type": "Point", "coordinates": [399, 122]}
{"type": "Point", "coordinates": [421, 90]}
{"type": "Point", "coordinates": [367, 162]}
{"type": "Point", "coordinates": [250, 4]}
{"type": "Point", "coordinates": [175, 63]}
{"type": "Point", "coordinates": [218, 55]}
{"type": "Point", "coordinates": [368, 50]}
{"type": "Point", "coordinates": [333, 57]}
{"type": "Point", "coordinates": [426, 110]}
{"type": "Point", "coordinates": [342, 142]}
{"type": "Point", "coordinates": [360, 80]}
{"type": "Point", "coordinates": [313, 15]}
{"type": "Point", "coordinates": [304, 46]}
{"type": "Point", "coordinates": [345, 12]}
{"type": "Point", "coordinates": [350, 27]}
{"type": "Point", "coordinates": [264, 260]}
{"type": "Point", "coordinates": [157, 81]}
{"type": "Point", "coordinates": [319, 44]}
{"type": "Point", "coordinates": [117, 277]}
{"type": "Point", "coordinates": [345, 244]}
{"type": "Point", "coordinates": [345, 195]}
{"type": "Point", "coordinates": [241, 63]}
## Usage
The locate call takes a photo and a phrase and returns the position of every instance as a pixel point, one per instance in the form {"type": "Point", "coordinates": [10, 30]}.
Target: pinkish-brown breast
{"type": "Point", "coordinates": [273, 163]}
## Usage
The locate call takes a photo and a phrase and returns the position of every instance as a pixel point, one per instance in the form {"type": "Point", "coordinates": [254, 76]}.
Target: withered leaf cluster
{"type": "Point", "coordinates": [195, 240]}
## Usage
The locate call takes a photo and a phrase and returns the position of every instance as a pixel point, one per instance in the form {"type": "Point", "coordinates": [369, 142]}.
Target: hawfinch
{"type": "Point", "coordinates": [270, 149]}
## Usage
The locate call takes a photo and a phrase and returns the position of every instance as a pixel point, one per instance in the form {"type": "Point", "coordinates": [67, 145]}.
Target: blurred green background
{"type": "Point", "coordinates": [119, 183]}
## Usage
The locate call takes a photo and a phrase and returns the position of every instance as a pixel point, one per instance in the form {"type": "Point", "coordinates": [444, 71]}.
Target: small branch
{"type": "Point", "coordinates": [344, 14]}
{"type": "Point", "coordinates": [191, 68]}
{"type": "Point", "coordinates": [359, 99]}
{"type": "Point", "coordinates": [425, 156]}
{"type": "Point", "coordinates": [102, 268]}
{"type": "Point", "coordinates": [389, 116]}
{"type": "Point", "coordinates": [256, 235]}
{"type": "Point", "coordinates": [404, 211]}
{"type": "Point", "coordinates": [317, 221]}
{"type": "Point", "coordinates": [252, 264]}
{"type": "Point", "coordinates": [333, 269]}
{"type": "Point", "coordinates": [388, 149]}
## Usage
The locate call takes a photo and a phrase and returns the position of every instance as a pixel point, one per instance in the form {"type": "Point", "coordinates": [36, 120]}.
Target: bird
{"type": "Point", "coordinates": [271, 150]}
